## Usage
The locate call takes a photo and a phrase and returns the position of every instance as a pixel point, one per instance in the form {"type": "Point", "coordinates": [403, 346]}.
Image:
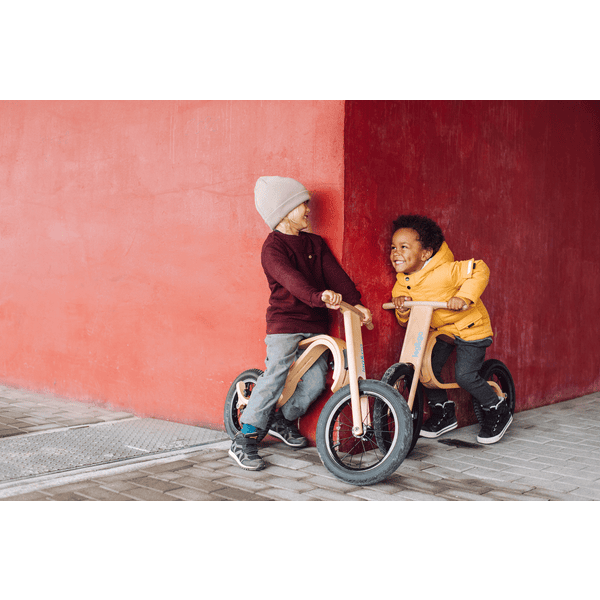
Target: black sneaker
{"type": "Point", "coordinates": [244, 450]}
{"type": "Point", "coordinates": [287, 431]}
{"type": "Point", "coordinates": [442, 420]}
{"type": "Point", "coordinates": [496, 420]}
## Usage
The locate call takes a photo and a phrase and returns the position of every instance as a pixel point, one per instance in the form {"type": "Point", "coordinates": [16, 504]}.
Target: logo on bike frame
{"type": "Point", "coordinates": [418, 344]}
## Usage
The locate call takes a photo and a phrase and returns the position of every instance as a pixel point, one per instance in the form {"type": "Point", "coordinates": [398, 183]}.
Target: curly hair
{"type": "Point", "coordinates": [429, 232]}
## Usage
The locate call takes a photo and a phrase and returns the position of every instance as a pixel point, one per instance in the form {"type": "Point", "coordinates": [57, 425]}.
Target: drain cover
{"type": "Point", "coordinates": [32, 455]}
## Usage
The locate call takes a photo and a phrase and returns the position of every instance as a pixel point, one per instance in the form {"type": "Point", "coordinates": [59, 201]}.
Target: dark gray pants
{"type": "Point", "coordinates": [469, 359]}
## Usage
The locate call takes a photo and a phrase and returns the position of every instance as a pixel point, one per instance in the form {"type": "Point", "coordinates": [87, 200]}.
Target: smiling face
{"type": "Point", "coordinates": [407, 253]}
{"type": "Point", "coordinates": [296, 221]}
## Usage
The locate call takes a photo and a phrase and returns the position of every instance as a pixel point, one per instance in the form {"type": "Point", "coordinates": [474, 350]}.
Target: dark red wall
{"type": "Point", "coordinates": [516, 184]}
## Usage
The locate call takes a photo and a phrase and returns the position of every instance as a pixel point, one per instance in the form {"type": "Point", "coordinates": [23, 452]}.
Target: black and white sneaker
{"type": "Point", "coordinates": [287, 431]}
{"type": "Point", "coordinates": [496, 420]}
{"type": "Point", "coordinates": [442, 420]}
{"type": "Point", "coordinates": [244, 450]}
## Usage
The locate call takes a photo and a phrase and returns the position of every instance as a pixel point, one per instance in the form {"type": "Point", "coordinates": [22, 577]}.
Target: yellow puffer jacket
{"type": "Point", "coordinates": [443, 278]}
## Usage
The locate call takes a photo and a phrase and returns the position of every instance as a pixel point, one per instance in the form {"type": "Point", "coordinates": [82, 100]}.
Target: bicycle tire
{"type": "Point", "coordinates": [360, 460]}
{"type": "Point", "coordinates": [495, 370]}
{"type": "Point", "coordinates": [400, 376]}
{"type": "Point", "coordinates": [232, 411]}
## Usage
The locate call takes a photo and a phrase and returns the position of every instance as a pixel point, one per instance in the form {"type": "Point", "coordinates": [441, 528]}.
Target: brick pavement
{"type": "Point", "coordinates": [549, 453]}
{"type": "Point", "coordinates": [24, 411]}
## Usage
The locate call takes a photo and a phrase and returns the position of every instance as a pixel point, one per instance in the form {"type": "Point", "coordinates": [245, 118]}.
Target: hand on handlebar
{"type": "Point", "coordinates": [457, 303]}
{"type": "Point", "coordinates": [368, 317]}
{"type": "Point", "coordinates": [400, 304]}
{"type": "Point", "coordinates": [399, 301]}
{"type": "Point", "coordinates": [332, 299]}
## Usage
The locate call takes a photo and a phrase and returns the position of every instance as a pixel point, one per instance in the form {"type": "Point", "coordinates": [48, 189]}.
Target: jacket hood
{"type": "Point", "coordinates": [443, 255]}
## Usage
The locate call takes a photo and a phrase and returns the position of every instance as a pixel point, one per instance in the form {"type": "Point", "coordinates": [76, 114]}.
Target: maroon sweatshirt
{"type": "Point", "coordinates": [299, 269]}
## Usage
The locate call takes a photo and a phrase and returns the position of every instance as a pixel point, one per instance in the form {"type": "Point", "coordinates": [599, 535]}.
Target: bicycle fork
{"type": "Point", "coordinates": [361, 414]}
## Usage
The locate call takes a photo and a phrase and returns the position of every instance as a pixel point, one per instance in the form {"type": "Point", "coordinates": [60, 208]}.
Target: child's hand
{"type": "Point", "coordinates": [331, 299]}
{"type": "Point", "coordinates": [457, 303]}
{"type": "Point", "coordinates": [368, 317]}
{"type": "Point", "coordinates": [399, 301]}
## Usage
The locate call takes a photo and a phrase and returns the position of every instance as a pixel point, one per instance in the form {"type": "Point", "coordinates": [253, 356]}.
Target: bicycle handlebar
{"type": "Point", "coordinates": [355, 310]}
{"type": "Point", "coordinates": [411, 303]}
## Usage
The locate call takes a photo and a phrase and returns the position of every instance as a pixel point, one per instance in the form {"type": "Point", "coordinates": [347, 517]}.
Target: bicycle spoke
{"type": "Point", "coordinates": [360, 452]}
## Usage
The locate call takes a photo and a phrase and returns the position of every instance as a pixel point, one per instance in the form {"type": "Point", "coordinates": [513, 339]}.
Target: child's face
{"type": "Point", "coordinates": [407, 254]}
{"type": "Point", "coordinates": [298, 218]}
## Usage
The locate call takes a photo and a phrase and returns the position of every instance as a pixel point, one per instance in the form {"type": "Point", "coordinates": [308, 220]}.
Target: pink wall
{"type": "Point", "coordinates": [516, 184]}
{"type": "Point", "coordinates": [130, 271]}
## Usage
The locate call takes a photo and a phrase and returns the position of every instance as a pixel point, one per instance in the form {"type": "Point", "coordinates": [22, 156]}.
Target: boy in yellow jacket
{"type": "Point", "coordinates": [426, 271]}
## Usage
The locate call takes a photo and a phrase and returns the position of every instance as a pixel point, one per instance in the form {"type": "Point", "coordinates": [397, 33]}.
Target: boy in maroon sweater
{"type": "Point", "coordinates": [305, 280]}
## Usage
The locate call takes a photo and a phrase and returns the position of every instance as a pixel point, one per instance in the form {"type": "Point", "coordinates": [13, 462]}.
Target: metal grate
{"type": "Point", "coordinates": [32, 455]}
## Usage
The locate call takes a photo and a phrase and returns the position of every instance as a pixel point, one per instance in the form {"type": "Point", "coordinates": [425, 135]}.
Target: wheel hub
{"type": "Point", "coordinates": [368, 434]}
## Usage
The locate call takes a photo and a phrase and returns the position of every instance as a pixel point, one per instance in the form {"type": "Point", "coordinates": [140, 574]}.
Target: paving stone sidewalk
{"type": "Point", "coordinates": [549, 453]}
{"type": "Point", "coordinates": [23, 411]}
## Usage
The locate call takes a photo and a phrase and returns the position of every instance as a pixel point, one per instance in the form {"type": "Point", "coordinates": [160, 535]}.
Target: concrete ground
{"type": "Point", "coordinates": [548, 453]}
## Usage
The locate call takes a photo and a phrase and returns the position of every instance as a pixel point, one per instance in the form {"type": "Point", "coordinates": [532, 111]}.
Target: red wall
{"type": "Point", "coordinates": [516, 184]}
{"type": "Point", "coordinates": [130, 271]}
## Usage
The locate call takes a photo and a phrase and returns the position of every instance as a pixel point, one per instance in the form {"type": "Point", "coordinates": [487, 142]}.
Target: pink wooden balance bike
{"type": "Point", "coordinates": [415, 357]}
{"type": "Point", "coordinates": [364, 429]}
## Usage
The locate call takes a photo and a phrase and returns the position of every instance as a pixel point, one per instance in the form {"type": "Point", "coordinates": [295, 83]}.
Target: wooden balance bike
{"type": "Point", "coordinates": [364, 429]}
{"type": "Point", "coordinates": [415, 357]}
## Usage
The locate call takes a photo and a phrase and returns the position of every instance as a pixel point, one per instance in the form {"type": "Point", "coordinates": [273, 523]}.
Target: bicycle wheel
{"type": "Point", "coordinates": [496, 371]}
{"type": "Point", "coordinates": [233, 411]}
{"type": "Point", "coordinates": [400, 376]}
{"type": "Point", "coordinates": [360, 460]}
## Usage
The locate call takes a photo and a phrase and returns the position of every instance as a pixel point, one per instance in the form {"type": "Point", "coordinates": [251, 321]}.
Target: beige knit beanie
{"type": "Point", "coordinates": [275, 197]}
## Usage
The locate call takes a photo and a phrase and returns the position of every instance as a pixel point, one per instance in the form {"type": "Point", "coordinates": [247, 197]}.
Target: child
{"type": "Point", "coordinates": [426, 270]}
{"type": "Point", "coordinates": [305, 280]}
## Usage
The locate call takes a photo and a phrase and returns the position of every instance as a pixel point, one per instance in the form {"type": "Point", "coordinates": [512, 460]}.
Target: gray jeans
{"type": "Point", "coordinates": [469, 359]}
{"type": "Point", "coordinates": [282, 351]}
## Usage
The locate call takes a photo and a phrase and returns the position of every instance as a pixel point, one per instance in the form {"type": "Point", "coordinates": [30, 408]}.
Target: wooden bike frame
{"type": "Point", "coordinates": [342, 375]}
{"type": "Point", "coordinates": [418, 345]}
